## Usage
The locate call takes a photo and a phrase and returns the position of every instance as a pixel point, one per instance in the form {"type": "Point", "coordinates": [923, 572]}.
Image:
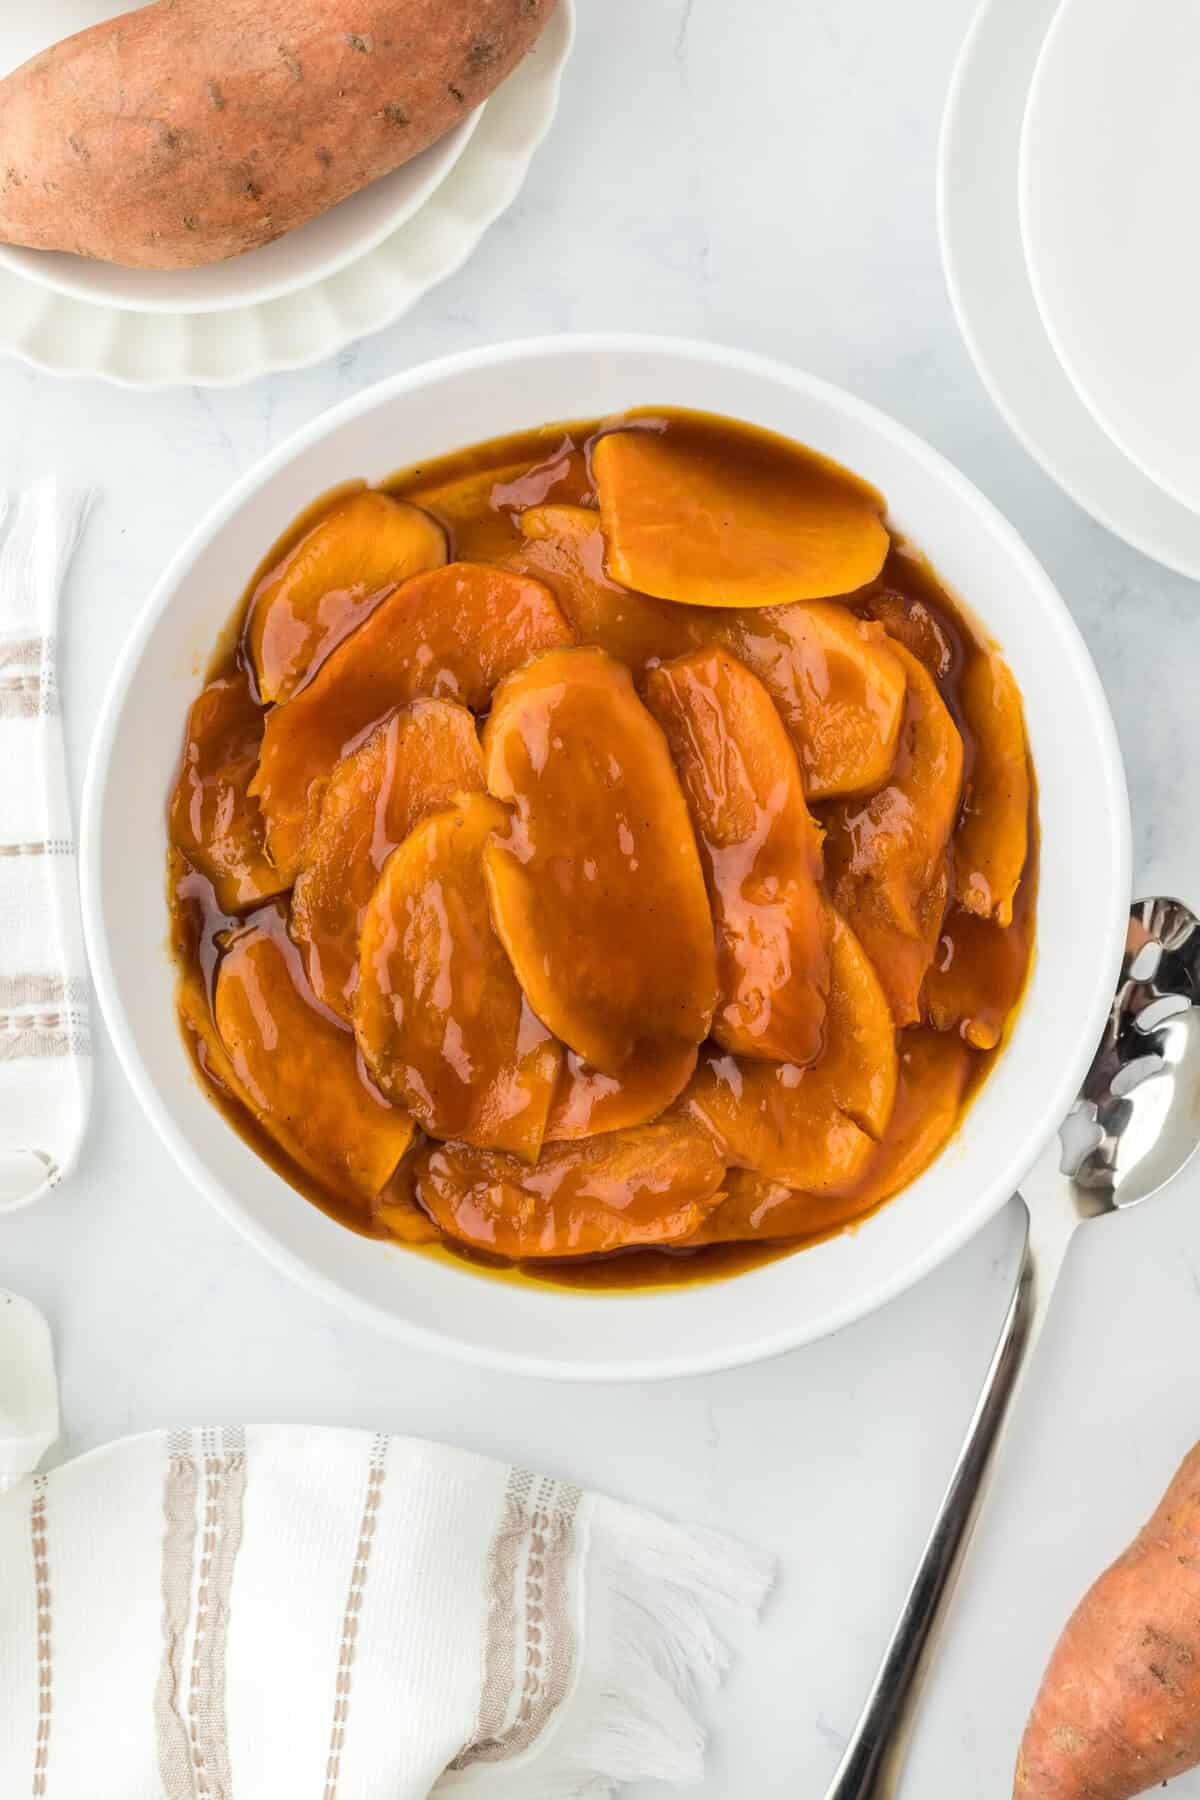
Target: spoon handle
{"type": "Point", "coordinates": [870, 1768]}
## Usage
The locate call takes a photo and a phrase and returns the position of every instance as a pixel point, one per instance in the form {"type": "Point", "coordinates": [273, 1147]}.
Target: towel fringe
{"type": "Point", "coordinates": [649, 1652]}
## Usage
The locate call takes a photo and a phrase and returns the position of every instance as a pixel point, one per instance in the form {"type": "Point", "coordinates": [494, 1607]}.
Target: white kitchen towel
{"type": "Point", "coordinates": [45, 1053]}
{"type": "Point", "coordinates": [277, 1613]}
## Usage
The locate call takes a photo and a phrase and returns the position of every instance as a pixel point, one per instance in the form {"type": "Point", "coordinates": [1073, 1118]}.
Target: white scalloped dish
{"type": "Point", "coordinates": [350, 272]}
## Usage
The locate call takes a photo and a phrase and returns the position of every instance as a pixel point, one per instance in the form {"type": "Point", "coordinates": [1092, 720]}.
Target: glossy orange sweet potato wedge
{"type": "Point", "coordinates": [342, 567]}
{"type": "Point", "coordinates": [934, 1071]}
{"type": "Point", "coordinates": [838, 684]}
{"type": "Point", "coordinates": [415, 761]}
{"type": "Point", "coordinates": [587, 1101]}
{"type": "Point", "coordinates": [915, 625]}
{"type": "Point", "coordinates": [761, 852]}
{"type": "Point", "coordinates": [213, 818]}
{"type": "Point", "coordinates": [564, 547]}
{"type": "Point", "coordinates": [811, 1128]}
{"type": "Point", "coordinates": [859, 1066]}
{"type": "Point", "coordinates": [449, 634]}
{"type": "Point", "coordinates": [396, 1211]}
{"type": "Point", "coordinates": [652, 1184]}
{"type": "Point", "coordinates": [886, 857]}
{"type": "Point", "coordinates": [993, 838]}
{"type": "Point", "coordinates": [297, 1071]}
{"type": "Point", "coordinates": [440, 1020]}
{"type": "Point", "coordinates": [687, 520]}
{"type": "Point", "coordinates": [754, 1209]}
{"type": "Point", "coordinates": [597, 891]}
{"type": "Point", "coordinates": [933, 1074]}
{"type": "Point", "coordinates": [979, 973]}
{"type": "Point", "coordinates": [778, 1120]}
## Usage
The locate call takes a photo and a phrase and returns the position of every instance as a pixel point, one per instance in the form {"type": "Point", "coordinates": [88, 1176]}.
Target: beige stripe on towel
{"type": "Point", "coordinates": [25, 653]}
{"type": "Point", "coordinates": [533, 1625]}
{"type": "Point", "coordinates": [376, 1471]}
{"type": "Point", "coordinates": [180, 1487]}
{"type": "Point", "coordinates": [221, 1536]}
{"type": "Point", "coordinates": [45, 1635]}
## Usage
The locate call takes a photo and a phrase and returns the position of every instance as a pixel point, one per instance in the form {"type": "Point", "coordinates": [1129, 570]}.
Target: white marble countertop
{"type": "Point", "coordinates": [763, 176]}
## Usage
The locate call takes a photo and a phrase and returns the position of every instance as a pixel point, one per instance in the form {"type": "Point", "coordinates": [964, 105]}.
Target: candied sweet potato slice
{"type": "Point", "coordinates": [915, 624]}
{"type": "Point", "coordinates": [396, 1210]}
{"type": "Point", "coordinates": [838, 684]}
{"type": "Point", "coordinates": [993, 837]}
{"type": "Point", "coordinates": [327, 583]}
{"type": "Point", "coordinates": [213, 818]}
{"type": "Point", "coordinates": [451, 634]}
{"type": "Point", "coordinates": [597, 891]}
{"type": "Point", "coordinates": [979, 972]}
{"type": "Point", "coordinates": [886, 856]}
{"type": "Point", "coordinates": [440, 1019]}
{"type": "Point", "coordinates": [652, 1184]}
{"type": "Point", "coordinates": [297, 1071]}
{"type": "Point", "coordinates": [564, 547]}
{"type": "Point", "coordinates": [761, 852]}
{"type": "Point", "coordinates": [755, 1209]}
{"type": "Point", "coordinates": [587, 1101]}
{"type": "Point", "coordinates": [859, 1066]}
{"type": "Point", "coordinates": [689, 519]}
{"type": "Point", "coordinates": [933, 1075]}
{"type": "Point", "coordinates": [415, 760]}
{"type": "Point", "coordinates": [778, 1120]}
{"type": "Point", "coordinates": [811, 1128]}
{"type": "Point", "coordinates": [934, 1071]}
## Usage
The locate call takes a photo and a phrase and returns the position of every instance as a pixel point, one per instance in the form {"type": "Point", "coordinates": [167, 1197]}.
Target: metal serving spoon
{"type": "Point", "coordinates": [1135, 1124]}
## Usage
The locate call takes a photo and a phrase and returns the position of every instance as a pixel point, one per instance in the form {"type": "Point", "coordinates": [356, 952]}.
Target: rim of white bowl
{"type": "Point", "coordinates": [1061, 1086]}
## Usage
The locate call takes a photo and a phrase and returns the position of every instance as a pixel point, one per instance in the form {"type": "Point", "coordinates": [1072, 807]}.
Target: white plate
{"type": "Point", "coordinates": [1081, 909]}
{"type": "Point", "coordinates": [297, 260]}
{"type": "Point", "coordinates": [984, 260]}
{"type": "Point", "coordinates": [68, 336]}
{"type": "Point", "coordinates": [1110, 151]}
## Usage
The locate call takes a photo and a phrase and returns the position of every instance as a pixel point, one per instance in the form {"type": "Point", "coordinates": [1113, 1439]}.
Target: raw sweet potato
{"type": "Point", "coordinates": [191, 130]}
{"type": "Point", "coordinates": [1118, 1710]}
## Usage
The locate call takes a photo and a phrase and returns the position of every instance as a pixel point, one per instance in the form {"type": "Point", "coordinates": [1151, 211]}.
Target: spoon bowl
{"type": "Point", "coordinates": [1137, 1120]}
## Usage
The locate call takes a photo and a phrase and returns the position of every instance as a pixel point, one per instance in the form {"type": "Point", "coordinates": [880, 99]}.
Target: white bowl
{"type": "Point", "coordinates": [1082, 904]}
{"type": "Point", "coordinates": [1109, 150]}
{"type": "Point", "coordinates": [309, 254]}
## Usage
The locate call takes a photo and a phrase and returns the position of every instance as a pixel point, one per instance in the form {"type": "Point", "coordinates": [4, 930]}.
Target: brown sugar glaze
{"type": "Point", "coordinates": [477, 496]}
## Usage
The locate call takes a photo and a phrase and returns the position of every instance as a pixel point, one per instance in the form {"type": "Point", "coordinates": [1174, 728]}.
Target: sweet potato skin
{"type": "Point", "coordinates": [192, 130]}
{"type": "Point", "coordinates": [1118, 1710]}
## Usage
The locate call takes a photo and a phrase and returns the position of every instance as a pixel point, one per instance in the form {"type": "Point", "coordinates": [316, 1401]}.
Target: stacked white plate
{"type": "Point", "coordinates": [296, 301]}
{"type": "Point", "coordinates": [1067, 212]}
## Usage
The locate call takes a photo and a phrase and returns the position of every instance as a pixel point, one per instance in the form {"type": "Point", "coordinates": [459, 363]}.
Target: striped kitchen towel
{"type": "Point", "coordinates": [45, 1059]}
{"type": "Point", "coordinates": [270, 1613]}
